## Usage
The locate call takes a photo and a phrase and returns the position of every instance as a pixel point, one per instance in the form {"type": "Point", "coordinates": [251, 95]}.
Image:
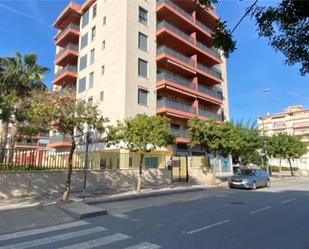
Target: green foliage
{"type": "Point", "coordinates": [61, 113]}
{"type": "Point", "coordinates": [285, 146]}
{"type": "Point", "coordinates": [287, 28]}
{"type": "Point", "coordinates": [142, 133]}
{"type": "Point", "coordinates": [213, 138]}
{"type": "Point", "coordinates": [249, 142]}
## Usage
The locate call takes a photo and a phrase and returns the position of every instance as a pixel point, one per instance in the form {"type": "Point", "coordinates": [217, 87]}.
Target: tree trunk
{"type": "Point", "coordinates": [66, 194]}
{"type": "Point", "coordinates": [12, 140]}
{"type": "Point", "coordinates": [291, 168]}
{"type": "Point", "coordinates": [140, 172]}
{"type": "Point", "coordinates": [214, 170]}
{"type": "Point", "coordinates": [280, 169]}
{"type": "Point", "coordinates": [4, 139]}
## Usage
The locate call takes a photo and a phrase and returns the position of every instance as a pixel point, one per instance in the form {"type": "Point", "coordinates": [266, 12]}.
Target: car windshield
{"type": "Point", "coordinates": [245, 172]}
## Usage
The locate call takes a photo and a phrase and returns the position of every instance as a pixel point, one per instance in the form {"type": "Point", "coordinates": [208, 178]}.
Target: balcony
{"type": "Point", "coordinates": [57, 141]}
{"type": "Point", "coordinates": [210, 91]}
{"type": "Point", "coordinates": [209, 114]}
{"type": "Point", "coordinates": [185, 62]}
{"type": "Point", "coordinates": [168, 76]}
{"type": "Point", "coordinates": [66, 76]}
{"type": "Point", "coordinates": [168, 10]}
{"type": "Point", "coordinates": [67, 55]}
{"type": "Point", "coordinates": [167, 32]}
{"type": "Point", "coordinates": [69, 35]}
{"type": "Point", "coordinates": [180, 132]}
{"type": "Point", "coordinates": [175, 108]}
{"type": "Point", "coordinates": [71, 13]}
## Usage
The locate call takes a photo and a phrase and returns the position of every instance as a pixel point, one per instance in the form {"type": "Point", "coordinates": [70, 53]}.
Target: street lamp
{"type": "Point", "coordinates": [263, 127]}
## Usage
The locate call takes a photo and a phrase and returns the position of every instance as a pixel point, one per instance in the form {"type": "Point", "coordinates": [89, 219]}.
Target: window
{"type": "Point", "coordinates": [102, 70]}
{"type": "Point", "coordinates": [84, 41]}
{"type": "Point", "coordinates": [101, 95]}
{"type": "Point", "coordinates": [104, 20]}
{"type": "Point", "coordinates": [143, 16]}
{"type": "Point", "coordinates": [103, 45]}
{"type": "Point", "coordinates": [142, 97]}
{"type": "Point", "coordinates": [83, 63]}
{"type": "Point", "coordinates": [91, 79]}
{"type": "Point", "coordinates": [142, 42]}
{"type": "Point", "coordinates": [92, 56]}
{"type": "Point", "coordinates": [82, 85]}
{"type": "Point", "coordinates": [152, 162]}
{"type": "Point", "coordinates": [90, 101]}
{"type": "Point", "coordinates": [142, 68]}
{"type": "Point", "coordinates": [94, 11]}
{"type": "Point", "coordinates": [85, 20]}
{"type": "Point", "coordinates": [93, 33]}
{"type": "Point", "coordinates": [130, 162]}
{"type": "Point", "coordinates": [102, 163]}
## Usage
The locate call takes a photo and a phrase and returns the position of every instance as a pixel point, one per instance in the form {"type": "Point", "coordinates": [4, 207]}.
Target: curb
{"type": "Point", "coordinates": [143, 195]}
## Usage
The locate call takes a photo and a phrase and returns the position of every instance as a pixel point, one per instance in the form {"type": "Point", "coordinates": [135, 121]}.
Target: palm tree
{"type": "Point", "coordinates": [21, 75]}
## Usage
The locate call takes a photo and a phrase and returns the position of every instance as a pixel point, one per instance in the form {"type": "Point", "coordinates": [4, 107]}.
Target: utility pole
{"type": "Point", "coordinates": [263, 127]}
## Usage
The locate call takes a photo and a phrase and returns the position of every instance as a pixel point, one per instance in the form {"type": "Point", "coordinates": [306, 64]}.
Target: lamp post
{"type": "Point", "coordinates": [263, 127]}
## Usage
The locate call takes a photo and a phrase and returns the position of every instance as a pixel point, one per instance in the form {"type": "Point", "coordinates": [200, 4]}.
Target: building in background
{"type": "Point", "coordinates": [294, 120]}
{"type": "Point", "coordinates": [143, 56]}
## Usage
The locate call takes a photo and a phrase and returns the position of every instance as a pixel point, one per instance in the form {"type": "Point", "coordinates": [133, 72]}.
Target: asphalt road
{"type": "Point", "coordinates": [216, 218]}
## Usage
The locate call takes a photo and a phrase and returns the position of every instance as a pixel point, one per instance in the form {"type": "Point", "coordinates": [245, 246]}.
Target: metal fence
{"type": "Point", "coordinates": [29, 160]}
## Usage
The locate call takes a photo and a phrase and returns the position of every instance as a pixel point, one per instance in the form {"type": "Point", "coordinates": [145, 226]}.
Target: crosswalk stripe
{"type": "Point", "coordinates": [144, 245]}
{"type": "Point", "coordinates": [98, 242]}
{"type": "Point", "coordinates": [53, 239]}
{"type": "Point", "coordinates": [41, 230]}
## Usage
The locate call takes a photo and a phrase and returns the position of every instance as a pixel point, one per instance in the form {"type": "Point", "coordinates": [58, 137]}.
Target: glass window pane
{"type": "Point", "coordinates": [84, 41]}
{"type": "Point", "coordinates": [82, 85]}
{"type": "Point", "coordinates": [143, 16]}
{"type": "Point", "coordinates": [142, 42]}
{"type": "Point", "coordinates": [94, 11]}
{"type": "Point", "coordinates": [85, 19]}
{"type": "Point", "coordinates": [83, 62]}
{"type": "Point", "coordinates": [92, 56]}
{"type": "Point", "coordinates": [142, 68]}
{"type": "Point", "coordinates": [93, 33]}
{"type": "Point", "coordinates": [142, 97]}
{"type": "Point", "coordinates": [91, 80]}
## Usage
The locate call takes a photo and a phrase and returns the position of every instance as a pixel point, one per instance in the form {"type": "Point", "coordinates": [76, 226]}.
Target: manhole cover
{"type": "Point", "coordinates": [237, 203]}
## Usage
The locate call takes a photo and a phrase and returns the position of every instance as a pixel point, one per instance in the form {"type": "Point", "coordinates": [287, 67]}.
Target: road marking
{"type": "Point", "coordinates": [209, 226]}
{"type": "Point", "coordinates": [286, 201]}
{"type": "Point", "coordinates": [144, 245]}
{"type": "Point", "coordinates": [42, 230]}
{"type": "Point", "coordinates": [136, 219]}
{"type": "Point", "coordinates": [122, 216]}
{"type": "Point", "coordinates": [52, 239]}
{"type": "Point", "coordinates": [260, 210]}
{"type": "Point", "coordinates": [98, 242]}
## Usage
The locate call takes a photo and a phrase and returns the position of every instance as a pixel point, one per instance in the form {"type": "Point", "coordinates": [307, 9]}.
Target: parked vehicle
{"type": "Point", "coordinates": [249, 179]}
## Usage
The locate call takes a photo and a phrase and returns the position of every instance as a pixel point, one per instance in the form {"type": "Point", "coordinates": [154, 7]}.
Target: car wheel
{"type": "Point", "coordinates": [268, 183]}
{"type": "Point", "coordinates": [253, 186]}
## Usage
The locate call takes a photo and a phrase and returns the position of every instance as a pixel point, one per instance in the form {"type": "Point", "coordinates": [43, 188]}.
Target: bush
{"type": "Point", "coordinates": [276, 168]}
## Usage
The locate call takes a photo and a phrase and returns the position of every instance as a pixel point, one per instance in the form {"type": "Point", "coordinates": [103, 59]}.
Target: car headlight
{"type": "Point", "coordinates": [245, 180]}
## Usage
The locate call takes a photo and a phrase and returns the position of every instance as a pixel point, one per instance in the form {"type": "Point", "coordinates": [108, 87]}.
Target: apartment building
{"type": "Point", "coordinates": [294, 120]}
{"type": "Point", "coordinates": [142, 56]}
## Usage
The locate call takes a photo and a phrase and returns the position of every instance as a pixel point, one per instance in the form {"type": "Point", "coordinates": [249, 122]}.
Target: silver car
{"type": "Point", "coordinates": [249, 179]}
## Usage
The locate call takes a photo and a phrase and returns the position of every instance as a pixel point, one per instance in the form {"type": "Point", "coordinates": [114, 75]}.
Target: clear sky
{"type": "Point", "coordinates": [26, 26]}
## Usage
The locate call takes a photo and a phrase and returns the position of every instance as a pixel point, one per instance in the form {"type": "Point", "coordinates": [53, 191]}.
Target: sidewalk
{"type": "Point", "coordinates": [92, 198]}
{"type": "Point", "coordinates": [98, 198]}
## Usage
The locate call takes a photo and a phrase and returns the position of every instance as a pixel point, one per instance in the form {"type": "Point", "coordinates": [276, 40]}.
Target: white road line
{"type": "Point", "coordinates": [98, 242]}
{"type": "Point", "coordinates": [286, 201]}
{"type": "Point", "coordinates": [52, 239]}
{"type": "Point", "coordinates": [260, 210]}
{"type": "Point", "coordinates": [42, 230]}
{"type": "Point", "coordinates": [144, 245]}
{"type": "Point", "coordinates": [122, 216]}
{"type": "Point", "coordinates": [209, 226]}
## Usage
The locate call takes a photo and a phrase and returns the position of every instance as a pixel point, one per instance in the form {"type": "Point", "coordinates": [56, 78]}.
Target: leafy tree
{"type": "Point", "coordinates": [63, 114]}
{"type": "Point", "coordinates": [142, 134]}
{"type": "Point", "coordinates": [19, 76]}
{"type": "Point", "coordinates": [285, 146]}
{"type": "Point", "coordinates": [286, 26]}
{"type": "Point", "coordinates": [248, 143]}
{"type": "Point", "coordinates": [213, 138]}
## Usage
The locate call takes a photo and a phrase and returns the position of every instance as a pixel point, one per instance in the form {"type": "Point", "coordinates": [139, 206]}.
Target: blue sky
{"type": "Point", "coordinates": [26, 26]}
